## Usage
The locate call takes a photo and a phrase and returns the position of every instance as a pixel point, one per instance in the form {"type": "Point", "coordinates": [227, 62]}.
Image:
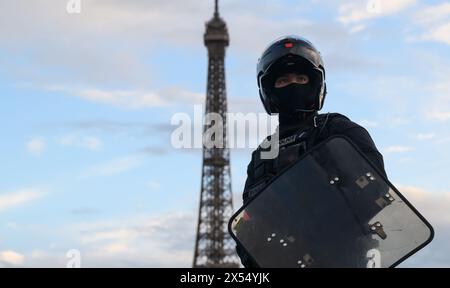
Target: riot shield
{"type": "Point", "coordinates": [331, 208]}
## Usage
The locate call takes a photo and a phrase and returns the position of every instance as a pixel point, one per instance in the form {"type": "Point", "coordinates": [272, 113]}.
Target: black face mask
{"type": "Point", "coordinates": [295, 97]}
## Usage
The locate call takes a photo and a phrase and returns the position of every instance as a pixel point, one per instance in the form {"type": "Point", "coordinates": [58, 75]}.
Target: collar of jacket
{"type": "Point", "coordinates": [291, 124]}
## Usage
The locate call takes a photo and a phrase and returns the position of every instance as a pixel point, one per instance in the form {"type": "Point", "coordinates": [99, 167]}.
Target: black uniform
{"type": "Point", "coordinates": [302, 135]}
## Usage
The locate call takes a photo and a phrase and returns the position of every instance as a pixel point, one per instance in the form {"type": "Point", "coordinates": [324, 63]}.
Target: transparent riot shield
{"type": "Point", "coordinates": [331, 208]}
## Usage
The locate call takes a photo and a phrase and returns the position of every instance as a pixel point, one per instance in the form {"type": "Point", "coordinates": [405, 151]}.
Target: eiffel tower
{"type": "Point", "coordinates": [214, 247]}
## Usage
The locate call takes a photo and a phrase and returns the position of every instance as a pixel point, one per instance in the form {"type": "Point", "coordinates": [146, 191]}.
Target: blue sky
{"type": "Point", "coordinates": [86, 102]}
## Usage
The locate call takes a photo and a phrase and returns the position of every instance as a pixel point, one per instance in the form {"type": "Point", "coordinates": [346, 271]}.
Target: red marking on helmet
{"type": "Point", "coordinates": [288, 45]}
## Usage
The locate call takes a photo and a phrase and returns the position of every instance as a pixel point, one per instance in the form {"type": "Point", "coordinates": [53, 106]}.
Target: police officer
{"type": "Point", "coordinates": [291, 81]}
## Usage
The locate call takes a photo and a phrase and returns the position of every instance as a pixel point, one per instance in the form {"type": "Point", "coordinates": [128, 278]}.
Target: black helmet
{"type": "Point", "coordinates": [284, 54]}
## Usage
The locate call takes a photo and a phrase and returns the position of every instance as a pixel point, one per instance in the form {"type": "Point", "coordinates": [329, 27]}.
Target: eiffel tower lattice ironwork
{"type": "Point", "coordinates": [214, 247]}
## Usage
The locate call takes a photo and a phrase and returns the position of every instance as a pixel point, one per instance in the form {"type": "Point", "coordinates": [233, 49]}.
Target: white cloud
{"type": "Point", "coordinates": [433, 14]}
{"type": "Point", "coordinates": [440, 115]}
{"type": "Point", "coordinates": [122, 234]}
{"type": "Point", "coordinates": [398, 121]}
{"type": "Point", "coordinates": [113, 167]}
{"type": "Point", "coordinates": [11, 200]}
{"type": "Point", "coordinates": [81, 44]}
{"type": "Point", "coordinates": [165, 240]}
{"type": "Point", "coordinates": [177, 95]}
{"type": "Point", "coordinates": [77, 140]}
{"type": "Point", "coordinates": [435, 19]}
{"type": "Point", "coordinates": [162, 240]}
{"type": "Point", "coordinates": [36, 146]}
{"type": "Point", "coordinates": [116, 248]}
{"type": "Point", "coordinates": [440, 33]}
{"type": "Point", "coordinates": [398, 149]}
{"type": "Point", "coordinates": [133, 99]}
{"type": "Point", "coordinates": [440, 104]}
{"type": "Point", "coordinates": [136, 23]}
{"type": "Point", "coordinates": [11, 258]}
{"type": "Point", "coordinates": [353, 12]}
{"type": "Point", "coordinates": [143, 27]}
{"type": "Point", "coordinates": [425, 136]}
{"type": "Point", "coordinates": [39, 254]}
{"type": "Point", "coordinates": [434, 205]}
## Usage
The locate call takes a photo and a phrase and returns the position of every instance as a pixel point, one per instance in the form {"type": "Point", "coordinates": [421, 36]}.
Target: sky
{"type": "Point", "coordinates": [86, 102]}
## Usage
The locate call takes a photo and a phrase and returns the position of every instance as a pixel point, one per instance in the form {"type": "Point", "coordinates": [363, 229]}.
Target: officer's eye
{"type": "Point", "coordinates": [281, 81]}
{"type": "Point", "coordinates": [302, 79]}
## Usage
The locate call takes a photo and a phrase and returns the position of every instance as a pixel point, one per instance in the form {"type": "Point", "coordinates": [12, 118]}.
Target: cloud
{"type": "Point", "coordinates": [425, 136]}
{"type": "Point", "coordinates": [333, 41]}
{"type": "Point", "coordinates": [440, 115]}
{"type": "Point", "coordinates": [122, 127]}
{"type": "Point", "coordinates": [398, 121]}
{"type": "Point", "coordinates": [76, 49]}
{"type": "Point", "coordinates": [440, 34]}
{"type": "Point", "coordinates": [84, 46]}
{"type": "Point", "coordinates": [164, 240]}
{"type": "Point", "coordinates": [107, 126]}
{"type": "Point", "coordinates": [353, 12]}
{"type": "Point", "coordinates": [36, 146]}
{"type": "Point", "coordinates": [77, 140]}
{"type": "Point", "coordinates": [439, 108]}
{"type": "Point", "coordinates": [160, 240]}
{"type": "Point", "coordinates": [398, 149]}
{"type": "Point", "coordinates": [435, 20]}
{"type": "Point", "coordinates": [77, 54]}
{"type": "Point", "coordinates": [434, 206]}
{"type": "Point", "coordinates": [38, 254]}
{"type": "Point", "coordinates": [132, 99]}
{"type": "Point", "coordinates": [120, 234]}
{"type": "Point", "coordinates": [11, 258]}
{"type": "Point", "coordinates": [433, 14]}
{"type": "Point", "coordinates": [20, 197]}
{"type": "Point", "coordinates": [167, 239]}
{"type": "Point", "coordinates": [115, 248]}
{"type": "Point", "coordinates": [113, 167]}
